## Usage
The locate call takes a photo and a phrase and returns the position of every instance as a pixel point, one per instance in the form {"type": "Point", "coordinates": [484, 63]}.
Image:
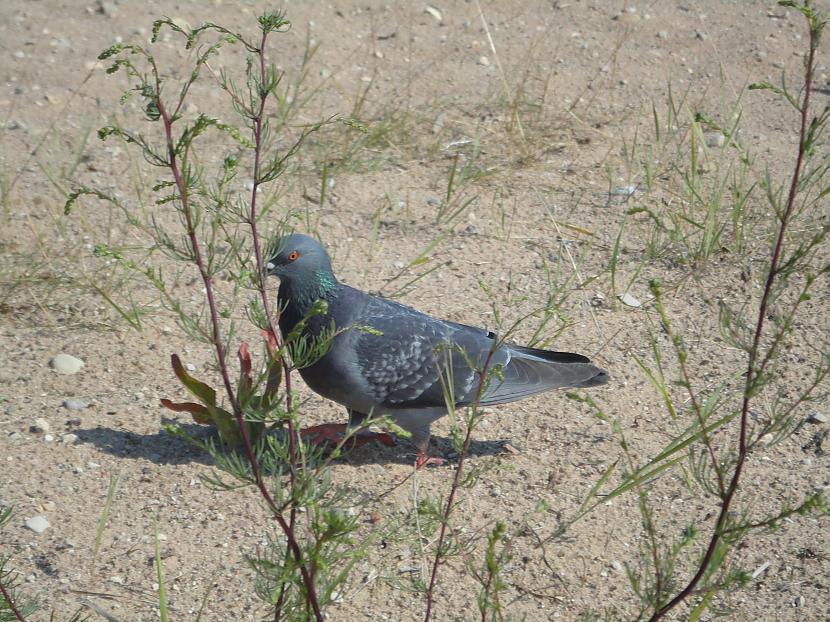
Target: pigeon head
{"type": "Point", "coordinates": [302, 264]}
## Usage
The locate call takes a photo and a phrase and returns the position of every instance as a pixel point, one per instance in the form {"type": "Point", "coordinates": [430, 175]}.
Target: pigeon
{"type": "Point", "coordinates": [389, 359]}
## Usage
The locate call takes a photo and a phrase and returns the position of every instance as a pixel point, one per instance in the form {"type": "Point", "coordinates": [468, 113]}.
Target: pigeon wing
{"type": "Point", "coordinates": [416, 360]}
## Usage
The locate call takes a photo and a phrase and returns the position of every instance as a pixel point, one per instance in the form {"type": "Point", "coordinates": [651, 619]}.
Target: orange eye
{"type": "Point", "coordinates": [293, 256]}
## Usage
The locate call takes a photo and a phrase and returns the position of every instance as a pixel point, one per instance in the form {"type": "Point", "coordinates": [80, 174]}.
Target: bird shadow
{"type": "Point", "coordinates": [404, 452]}
{"type": "Point", "coordinates": [165, 448]}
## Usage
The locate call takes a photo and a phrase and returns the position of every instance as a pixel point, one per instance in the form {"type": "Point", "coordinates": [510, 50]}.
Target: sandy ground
{"type": "Point", "coordinates": [581, 78]}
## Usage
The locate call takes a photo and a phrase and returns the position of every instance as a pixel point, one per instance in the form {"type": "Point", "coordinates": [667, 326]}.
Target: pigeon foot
{"type": "Point", "coordinates": [334, 433]}
{"type": "Point", "coordinates": [422, 460]}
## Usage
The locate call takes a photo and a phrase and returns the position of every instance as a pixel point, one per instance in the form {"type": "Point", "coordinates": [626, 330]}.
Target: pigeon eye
{"type": "Point", "coordinates": [293, 256]}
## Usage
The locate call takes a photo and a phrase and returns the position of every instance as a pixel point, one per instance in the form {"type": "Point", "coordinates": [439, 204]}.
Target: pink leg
{"type": "Point", "coordinates": [422, 460]}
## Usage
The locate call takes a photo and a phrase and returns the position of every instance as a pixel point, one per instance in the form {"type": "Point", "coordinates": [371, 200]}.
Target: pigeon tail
{"type": "Point", "coordinates": [529, 371]}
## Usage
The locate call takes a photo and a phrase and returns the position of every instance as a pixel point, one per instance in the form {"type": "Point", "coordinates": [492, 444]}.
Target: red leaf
{"type": "Point", "coordinates": [246, 382]}
{"type": "Point", "coordinates": [200, 413]}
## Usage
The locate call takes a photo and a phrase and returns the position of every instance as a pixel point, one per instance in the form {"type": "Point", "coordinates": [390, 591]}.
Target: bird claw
{"type": "Point", "coordinates": [422, 460]}
{"type": "Point", "coordinates": [334, 433]}
{"type": "Point", "coordinates": [325, 433]}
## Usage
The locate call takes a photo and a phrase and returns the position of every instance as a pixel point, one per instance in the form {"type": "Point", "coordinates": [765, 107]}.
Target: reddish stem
{"type": "Point", "coordinates": [263, 293]}
{"type": "Point", "coordinates": [308, 581]}
{"type": "Point", "coordinates": [752, 372]}
{"type": "Point", "coordinates": [8, 598]}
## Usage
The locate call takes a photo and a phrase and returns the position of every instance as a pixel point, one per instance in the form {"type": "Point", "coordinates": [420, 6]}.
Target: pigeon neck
{"type": "Point", "coordinates": [301, 294]}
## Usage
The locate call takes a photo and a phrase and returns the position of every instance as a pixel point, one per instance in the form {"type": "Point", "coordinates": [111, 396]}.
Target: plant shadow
{"type": "Point", "coordinates": [404, 452]}
{"type": "Point", "coordinates": [159, 448]}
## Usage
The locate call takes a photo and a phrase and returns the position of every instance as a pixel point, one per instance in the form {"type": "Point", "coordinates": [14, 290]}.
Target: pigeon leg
{"type": "Point", "coordinates": [356, 420]}
{"type": "Point", "coordinates": [422, 460]}
{"type": "Point", "coordinates": [420, 436]}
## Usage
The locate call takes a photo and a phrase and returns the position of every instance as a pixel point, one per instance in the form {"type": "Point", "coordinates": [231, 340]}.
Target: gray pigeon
{"type": "Point", "coordinates": [397, 368]}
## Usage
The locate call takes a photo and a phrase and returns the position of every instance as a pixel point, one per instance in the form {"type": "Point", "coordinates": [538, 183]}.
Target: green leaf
{"type": "Point", "coordinates": [204, 392]}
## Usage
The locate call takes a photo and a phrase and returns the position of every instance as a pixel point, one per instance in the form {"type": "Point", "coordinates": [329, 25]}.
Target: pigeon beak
{"type": "Point", "coordinates": [270, 268]}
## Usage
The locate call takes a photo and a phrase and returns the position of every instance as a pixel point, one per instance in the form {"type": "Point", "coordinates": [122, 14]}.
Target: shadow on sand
{"type": "Point", "coordinates": [164, 448]}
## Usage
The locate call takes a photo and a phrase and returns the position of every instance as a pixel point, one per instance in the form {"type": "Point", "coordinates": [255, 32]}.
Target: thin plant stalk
{"type": "Point", "coordinates": [286, 526]}
{"type": "Point", "coordinates": [456, 481]}
{"type": "Point", "coordinates": [753, 369]}
{"type": "Point", "coordinates": [8, 598]}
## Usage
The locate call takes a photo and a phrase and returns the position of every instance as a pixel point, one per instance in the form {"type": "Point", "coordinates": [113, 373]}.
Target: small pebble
{"type": "Point", "coordinates": [117, 580]}
{"type": "Point", "coordinates": [624, 191]}
{"type": "Point", "coordinates": [406, 568]}
{"type": "Point", "coordinates": [484, 61]}
{"type": "Point", "coordinates": [817, 417]}
{"type": "Point", "coordinates": [69, 439]}
{"type": "Point", "coordinates": [40, 426]}
{"type": "Point", "coordinates": [48, 438]}
{"type": "Point", "coordinates": [716, 139]}
{"type": "Point", "coordinates": [74, 404]}
{"type": "Point", "coordinates": [434, 12]}
{"type": "Point", "coordinates": [15, 125]}
{"type": "Point", "coordinates": [799, 601]}
{"type": "Point", "coordinates": [66, 364]}
{"type": "Point", "coordinates": [629, 300]}
{"type": "Point", "coordinates": [107, 8]}
{"type": "Point", "coordinates": [38, 523]}
{"type": "Point", "coordinates": [190, 367]}
{"type": "Point", "coordinates": [760, 569]}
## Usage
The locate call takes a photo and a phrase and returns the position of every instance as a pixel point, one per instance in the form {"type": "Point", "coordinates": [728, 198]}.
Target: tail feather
{"type": "Point", "coordinates": [529, 371]}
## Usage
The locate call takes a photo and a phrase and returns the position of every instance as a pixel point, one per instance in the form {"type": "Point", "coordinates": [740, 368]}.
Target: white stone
{"type": "Point", "coordinates": [66, 364]}
{"type": "Point", "coordinates": [40, 425]}
{"type": "Point", "coordinates": [817, 417]}
{"type": "Point", "coordinates": [38, 523]}
{"type": "Point", "coordinates": [434, 12]}
{"type": "Point", "coordinates": [629, 300]}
